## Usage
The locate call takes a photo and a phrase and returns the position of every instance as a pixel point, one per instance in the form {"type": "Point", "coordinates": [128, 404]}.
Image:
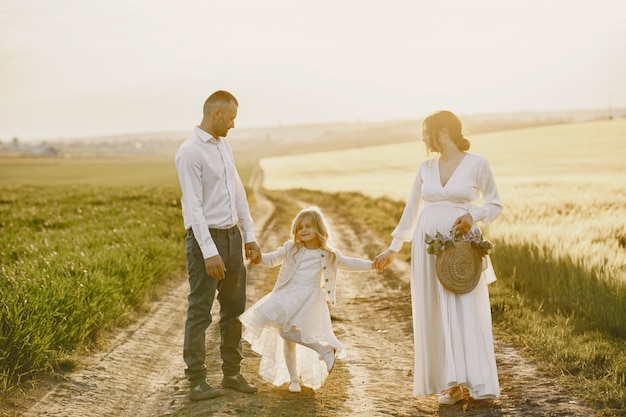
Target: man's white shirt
{"type": "Point", "coordinates": [213, 194]}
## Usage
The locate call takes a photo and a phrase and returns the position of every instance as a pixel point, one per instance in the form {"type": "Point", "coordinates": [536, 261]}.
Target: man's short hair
{"type": "Point", "coordinates": [218, 97]}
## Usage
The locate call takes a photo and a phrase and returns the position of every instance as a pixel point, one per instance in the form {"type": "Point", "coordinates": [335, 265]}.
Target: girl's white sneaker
{"type": "Point", "coordinates": [294, 386]}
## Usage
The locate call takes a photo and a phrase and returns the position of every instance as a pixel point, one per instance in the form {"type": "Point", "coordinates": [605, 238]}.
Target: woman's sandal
{"type": "Point", "coordinates": [451, 396]}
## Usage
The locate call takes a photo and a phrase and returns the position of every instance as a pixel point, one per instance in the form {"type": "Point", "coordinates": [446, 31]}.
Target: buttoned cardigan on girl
{"type": "Point", "coordinates": [290, 262]}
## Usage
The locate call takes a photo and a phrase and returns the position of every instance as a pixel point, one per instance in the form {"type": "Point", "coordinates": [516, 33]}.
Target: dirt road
{"type": "Point", "coordinates": [140, 372]}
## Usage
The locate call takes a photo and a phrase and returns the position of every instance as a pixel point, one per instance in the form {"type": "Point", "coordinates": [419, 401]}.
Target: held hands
{"type": "Point", "coordinates": [215, 265]}
{"type": "Point", "coordinates": [384, 259]}
{"type": "Point", "coordinates": [463, 224]}
{"type": "Point", "coordinates": [253, 253]}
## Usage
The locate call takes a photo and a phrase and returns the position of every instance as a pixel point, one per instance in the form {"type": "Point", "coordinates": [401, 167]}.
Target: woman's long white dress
{"type": "Point", "coordinates": [452, 333]}
{"type": "Point", "coordinates": [300, 304]}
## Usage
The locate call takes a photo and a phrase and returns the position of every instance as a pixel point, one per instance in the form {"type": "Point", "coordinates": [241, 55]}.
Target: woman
{"type": "Point", "coordinates": [452, 333]}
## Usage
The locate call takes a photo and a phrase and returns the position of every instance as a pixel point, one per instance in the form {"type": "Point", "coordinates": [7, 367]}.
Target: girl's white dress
{"type": "Point", "coordinates": [452, 333]}
{"type": "Point", "coordinates": [299, 300]}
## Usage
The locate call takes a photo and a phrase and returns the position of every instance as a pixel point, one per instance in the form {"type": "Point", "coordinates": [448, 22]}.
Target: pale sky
{"type": "Point", "coordinates": [71, 68]}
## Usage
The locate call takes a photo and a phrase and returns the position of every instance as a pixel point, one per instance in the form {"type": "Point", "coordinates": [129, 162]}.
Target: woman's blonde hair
{"type": "Point", "coordinates": [318, 223]}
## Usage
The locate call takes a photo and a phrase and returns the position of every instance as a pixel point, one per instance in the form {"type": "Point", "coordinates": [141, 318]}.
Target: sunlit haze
{"type": "Point", "coordinates": [73, 68]}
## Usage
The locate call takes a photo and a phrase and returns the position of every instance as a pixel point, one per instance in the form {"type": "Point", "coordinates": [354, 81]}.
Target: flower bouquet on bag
{"type": "Point", "coordinates": [459, 258]}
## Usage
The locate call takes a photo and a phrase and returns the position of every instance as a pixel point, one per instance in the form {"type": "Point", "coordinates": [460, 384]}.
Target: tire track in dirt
{"type": "Point", "coordinates": [125, 377]}
{"type": "Point", "coordinates": [379, 350]}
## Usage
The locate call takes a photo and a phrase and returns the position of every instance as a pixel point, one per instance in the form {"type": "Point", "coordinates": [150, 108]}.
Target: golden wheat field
{"type": "Point", "coordinates": [563, 186]}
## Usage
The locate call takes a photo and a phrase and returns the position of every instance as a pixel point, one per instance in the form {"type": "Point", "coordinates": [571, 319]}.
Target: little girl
{"type": "Point", "coordinates": [290, 327]}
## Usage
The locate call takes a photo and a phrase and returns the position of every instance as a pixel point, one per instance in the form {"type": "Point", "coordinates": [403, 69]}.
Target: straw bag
{"type": "Point", "coordinates": [459, 267]}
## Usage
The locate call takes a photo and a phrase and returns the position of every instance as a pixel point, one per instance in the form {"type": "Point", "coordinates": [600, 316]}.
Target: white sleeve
{"type": "Point", "coordinates": [243, 211]}
{"type": "Point", "coordinates": [352, 264]}
{"type": "Point", "coordinates": [278, 256]}
{"type": "Point", "coordinates": [189, 168]}
{"type": "Point", "coordinates": [491, 205]}
{"type": "Point", "coordinates": [406, 226]}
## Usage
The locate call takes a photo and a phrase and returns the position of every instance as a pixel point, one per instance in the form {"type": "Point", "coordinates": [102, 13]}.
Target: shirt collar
{"type": "Point", "coordinates": [204, 136]}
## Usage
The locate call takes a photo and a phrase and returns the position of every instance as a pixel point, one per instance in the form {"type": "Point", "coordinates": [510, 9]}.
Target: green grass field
{"type": "Point", "coordinates": [87, 242]}
{"type": "Point", "coordinates": [78, 260]}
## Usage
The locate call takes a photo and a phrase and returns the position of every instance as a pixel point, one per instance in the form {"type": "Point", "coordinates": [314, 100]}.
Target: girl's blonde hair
{"type": "Point", "coordinates": [318, 223]}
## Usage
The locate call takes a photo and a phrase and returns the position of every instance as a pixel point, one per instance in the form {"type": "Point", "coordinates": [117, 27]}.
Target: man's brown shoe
{"type": "Point", "coordinates": [203, 391]}
{"type": "Point", "coordinates": [238, 383]}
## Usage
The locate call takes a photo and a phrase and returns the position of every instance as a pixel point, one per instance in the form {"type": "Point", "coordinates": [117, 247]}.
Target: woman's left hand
{"type": "Point", "coordinates": [383, 260]}
{"type": "Point", "coordinates": [464, 223]}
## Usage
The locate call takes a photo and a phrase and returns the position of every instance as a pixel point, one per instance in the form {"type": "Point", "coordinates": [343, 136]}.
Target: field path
{"type": "Point", "coordinates": [140, 372]}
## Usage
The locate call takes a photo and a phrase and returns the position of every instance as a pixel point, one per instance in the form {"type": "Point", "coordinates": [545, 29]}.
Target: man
{"type": "Point", "coordinates": [214, 204]}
